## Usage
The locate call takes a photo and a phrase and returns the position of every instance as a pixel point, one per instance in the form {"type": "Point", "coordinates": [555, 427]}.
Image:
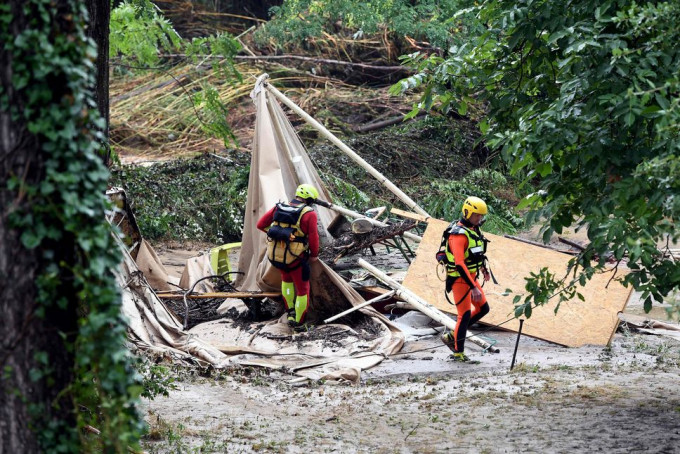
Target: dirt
{"type": "Point", "coordinates": [617, 399]}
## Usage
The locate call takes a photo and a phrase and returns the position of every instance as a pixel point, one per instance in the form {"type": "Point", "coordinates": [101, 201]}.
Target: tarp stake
{"type": "Point", "coordinates": [519, 333]}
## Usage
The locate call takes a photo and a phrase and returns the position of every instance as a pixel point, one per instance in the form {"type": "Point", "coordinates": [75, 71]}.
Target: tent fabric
{"type": "Point", "coordinates": [152, 267]}
{"type": "Point", "coordinates": [279, 163]}
{"type": "Point", "coordinates": [154, 328]}
{"type": "Point", "coordinates": [151, 326]}
{"type": "Point", "coordinates": [195, 269]}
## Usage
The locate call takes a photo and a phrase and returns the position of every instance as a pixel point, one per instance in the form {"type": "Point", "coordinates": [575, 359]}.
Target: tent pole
{"type": "Point", "coordinates": [422, 305]}
{"type": "Point", "coordinates": [347, 150]}
{"type": "Point", "coordinates": [355, 215]}
{"type": "Point", "coordinates": [360, 306]}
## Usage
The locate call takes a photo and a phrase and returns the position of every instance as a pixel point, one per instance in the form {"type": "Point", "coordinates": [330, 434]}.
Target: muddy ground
{"type": "Point", "coordinates": [618, 399]}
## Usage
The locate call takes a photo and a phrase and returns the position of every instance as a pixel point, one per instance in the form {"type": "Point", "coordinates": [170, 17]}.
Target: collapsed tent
{"type": "Point", "coordinates": [279, 164]}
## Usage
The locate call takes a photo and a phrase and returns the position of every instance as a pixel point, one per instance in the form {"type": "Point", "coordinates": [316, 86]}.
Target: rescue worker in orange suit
{"type": "Point", "coordinates": [466, 252]}
{"type": "Point", "coordinates": [293, 243]}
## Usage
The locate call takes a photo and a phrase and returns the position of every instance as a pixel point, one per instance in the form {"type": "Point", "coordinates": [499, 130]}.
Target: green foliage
{"type": "Point", "coordinates": [581, 99]}
{"type": "Point", "coordinates": [170, 199]}
{"type": "Point", "coordinates": [64, 219]}
{"type": "Point", "coordinates": [215, 113]}
{"type": "Point", "coordinates": [139, 34]}
{"type": "Point", "coordinates": [439, 22]}
{"type": "Point", "coordinates": [346, 193]}
{"type": "Point", "coordinates": [138, 31]}
{"type": "Point", "coordinates": [157, 380]}
{"type": "Point", "coordinates": [444, 200]}
{"type": "Point", "coordinates": [219, 49]}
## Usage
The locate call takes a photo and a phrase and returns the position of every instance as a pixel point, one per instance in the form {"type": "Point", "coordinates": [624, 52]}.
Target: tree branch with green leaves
{"type": "Point", "coordinates": [582, 100]}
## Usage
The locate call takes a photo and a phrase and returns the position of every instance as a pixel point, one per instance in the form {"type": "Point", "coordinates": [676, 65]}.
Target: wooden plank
{"type": "Point", "coordinates": [220, 295]}
{"type": "Point", "coordinates": [576, 323]}
{"type": "Point", "coordinates": [409, 215]}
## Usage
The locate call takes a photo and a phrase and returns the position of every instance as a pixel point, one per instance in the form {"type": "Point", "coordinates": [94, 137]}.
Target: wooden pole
{"type": "Point", "coordinates": [422, 305]}
{"type": "Point", "coordinates": [347, 150]}
{"type": "Point", "coordinates": [225, 295]}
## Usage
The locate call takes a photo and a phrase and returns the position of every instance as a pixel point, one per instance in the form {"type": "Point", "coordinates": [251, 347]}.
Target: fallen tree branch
{"type": "Point", "coordinates": [318, 60]}
{"type": "Point", "coordinates": [570, 243]}
{"type": "Point", "coordinates": [534, 243]}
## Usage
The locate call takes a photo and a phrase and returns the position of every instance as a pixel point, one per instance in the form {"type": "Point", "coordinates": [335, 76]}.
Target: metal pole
{"type": "Point", "coordinates": [422, 305]}
{"type": "Point", "coordinates": [347, 150]}
{"type": "Point", "coordinates": [362, 305]}
{"type": "Point", "coordinates": [519, 333]}
{"type": "Point", "coordinates": [355, 215]}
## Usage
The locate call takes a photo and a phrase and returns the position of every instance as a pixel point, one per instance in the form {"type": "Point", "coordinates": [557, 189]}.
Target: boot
{"type": "Point", "coordinates": [291, 317]}
{"type": "Point", "coordinates": [460, 357]}
{"type": "Point", "coordinates": [449, 341]}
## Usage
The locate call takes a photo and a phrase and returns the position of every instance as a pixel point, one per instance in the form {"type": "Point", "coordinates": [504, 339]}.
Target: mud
{"type": "Point", "coordinates": [542, 399]}
{"type": "Point", "coordinates": [617, 400]}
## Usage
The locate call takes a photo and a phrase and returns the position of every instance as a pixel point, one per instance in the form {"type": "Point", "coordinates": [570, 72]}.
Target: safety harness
{"type": "Point", "coordinates": [286, 242]}
{"type": "Point", "coordinates": [475, 257]}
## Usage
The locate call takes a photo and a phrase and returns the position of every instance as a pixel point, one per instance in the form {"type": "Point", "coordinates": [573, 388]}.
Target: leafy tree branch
{"type": "Point", "coordinates": [582, 99]}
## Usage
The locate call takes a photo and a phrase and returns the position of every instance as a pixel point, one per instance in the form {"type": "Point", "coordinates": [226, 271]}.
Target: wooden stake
{"type": "Point", "coordinates": [220, 295]}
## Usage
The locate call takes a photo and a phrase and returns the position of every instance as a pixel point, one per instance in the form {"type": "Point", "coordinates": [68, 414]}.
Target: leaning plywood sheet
{"type": "Point", "coordinates": [577, 322]}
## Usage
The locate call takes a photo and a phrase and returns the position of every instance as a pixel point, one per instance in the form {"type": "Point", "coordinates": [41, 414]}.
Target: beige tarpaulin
{"type": "Point", "coordinates": [148, 262]}
{"type": "Point", "coordinates": [577, 322]}
{"type": "Point", "coordinates": [278, 165]}
{"type": "Point", "coordinates": [196, 268]}
{"type": "Point", "coordinates": [152, 327]}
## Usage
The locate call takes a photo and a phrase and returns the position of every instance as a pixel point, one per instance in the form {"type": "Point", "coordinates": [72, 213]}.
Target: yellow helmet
{"type": "Point", "coordinates": [307, 191]}
{"type": "Point", "coordinates": [474, 205]}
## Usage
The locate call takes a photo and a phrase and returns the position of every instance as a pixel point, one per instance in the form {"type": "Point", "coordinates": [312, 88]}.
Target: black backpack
{"type": "Point", "coordinates": [441, 256]}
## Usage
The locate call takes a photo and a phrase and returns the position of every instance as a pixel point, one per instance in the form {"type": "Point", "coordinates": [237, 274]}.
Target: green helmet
{"type": "Point", "coordinates": [307, 191]}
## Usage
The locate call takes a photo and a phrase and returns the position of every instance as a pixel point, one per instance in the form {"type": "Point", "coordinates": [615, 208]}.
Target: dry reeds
{"type": "Point", "coordinates": [157, 114]}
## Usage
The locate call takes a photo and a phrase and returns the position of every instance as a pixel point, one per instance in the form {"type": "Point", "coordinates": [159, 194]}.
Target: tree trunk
{"type": "Point", "coordinates": [18, 266]}
{"type": "Point", "coordinates": [100, 17]}
{"type": "Point", "coordinates": [35, 339]}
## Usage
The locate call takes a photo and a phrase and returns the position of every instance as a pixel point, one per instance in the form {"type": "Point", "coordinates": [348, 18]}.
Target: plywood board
{"type": "Point", "coordinates": [577, 322]}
